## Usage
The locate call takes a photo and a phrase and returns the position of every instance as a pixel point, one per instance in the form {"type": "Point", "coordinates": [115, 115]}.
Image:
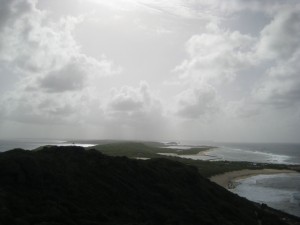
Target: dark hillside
{"type": "Point", "coordinates": [70, 185]}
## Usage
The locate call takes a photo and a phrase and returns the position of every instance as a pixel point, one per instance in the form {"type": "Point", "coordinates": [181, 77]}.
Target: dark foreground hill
{"type": "Point", "coordinates": [70, 185]}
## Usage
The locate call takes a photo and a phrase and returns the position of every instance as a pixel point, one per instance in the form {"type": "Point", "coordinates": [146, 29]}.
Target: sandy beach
{"type": "Point", "coordinates": [228, 180]}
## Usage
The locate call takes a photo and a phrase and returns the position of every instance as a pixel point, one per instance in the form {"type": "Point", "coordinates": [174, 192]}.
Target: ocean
{"type": "Point", "coordinates": [280, 191]}
{"type": "Point", "coordinates": [284, 153]}
{"type": "Point", "coordinates": [30, 144]}
{"type": "Point", "coordinates": [255, 152]}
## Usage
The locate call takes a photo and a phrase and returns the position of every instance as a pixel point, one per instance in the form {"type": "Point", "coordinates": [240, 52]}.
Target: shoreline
{"type": "Point", "coordinates": [228, 180]}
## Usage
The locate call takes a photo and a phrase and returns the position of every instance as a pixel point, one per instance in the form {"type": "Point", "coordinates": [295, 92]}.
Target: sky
{"type": "Point", "coordinates": [203, 70]}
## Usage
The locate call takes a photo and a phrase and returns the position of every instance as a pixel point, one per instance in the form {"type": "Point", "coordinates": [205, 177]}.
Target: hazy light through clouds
{"type": "Point", "coordinates": [152, 70]}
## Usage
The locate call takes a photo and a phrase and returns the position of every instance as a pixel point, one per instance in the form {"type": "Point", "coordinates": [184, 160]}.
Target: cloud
{"type": "Point", "coordinates": [197, 102]}
{"type": "Point", "coordinates": [133, 102]}
{"type": "Point", "coordinates": [281, 87]}
{"type": "Point", "coordinates": [225, 77]}
{"type": "Point", "coordinates": [216, 56]}
{"type": "Point", "coordinates": [135, 112]}
{"type": "Point", "coordinates": [38, 108]}
{"type": "Point", "coordinates": [34, 45]}
{"type": "Point", "coordinates": [280, 43]}
{"type": "Point", "coordinates": [129, 99]}
{"type": "Point", "coordinates": [230, 7]}
{"type": "Point", "coordinates": [244, 108]}
{"type": "Point", "coordinates": [280, 38]}
{"type": "Point", "coordinates": [207, 10]}
{"type": "Point", "coordinates": [81, 71]}
{"type": "Point", "coordinates": [54, 75]}
{"type": "Point", "coordinates": [70, 77]}
{"type": "Point", "coordinates": [178, 8]}
{"type": "Point", "coordinates": [11, 10]}
{"type": "Point", "coordinates": [184, 9]}
{"type": "Point", "coordinates": [20, 28]}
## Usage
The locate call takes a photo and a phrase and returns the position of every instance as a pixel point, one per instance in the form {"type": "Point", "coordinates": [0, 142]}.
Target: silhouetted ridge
{"type": "Point", "coordinates": [70, 185]}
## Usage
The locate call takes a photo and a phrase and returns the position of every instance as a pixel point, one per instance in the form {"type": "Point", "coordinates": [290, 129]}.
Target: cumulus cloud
{"type": "Point", "coordinates": [280, 38]}
{"type": "Point", "coordinates": [226, 77]}
{"type": "Point", "coordinates": [197, 102]}
{"type": "Point", "coordinates": [129, 99]}
{"type": "Point", "coordinates": [281, 87]}
{"type": "Point", "coordinates": [10, 10]}
{"type": "Point", "coordinates": [280, 43]}
{"type": "Point", "coordinates": [70, 77]}
{"type": "Point", "coordinates": [79, 72]}
{"type": "Point", "coordinates": [38, 108]}
{"type": "Point", "coordinates": [33, 44]}
{"type": "Point", "coordinates": [216, 56]}
{"type": "Point", "coordinates": [133, 102]}
{"type": "Point", "coordinates": [54, 75]}
{"type": "Point", "coordinates": [136, 111]}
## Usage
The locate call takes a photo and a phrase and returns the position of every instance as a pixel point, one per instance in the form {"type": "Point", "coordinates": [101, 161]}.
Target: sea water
{"type": "Point", "coordinates": [30, 144]}
{"type": "Point", "coordinates": [279, 191]}
{"type": "Point", "coordinates": [283, 153]}
{"type": "Point", "coordinates": [255, 152]}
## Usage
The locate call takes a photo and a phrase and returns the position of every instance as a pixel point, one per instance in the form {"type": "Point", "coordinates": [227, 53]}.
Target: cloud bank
{"type": "Point", "coordinates": [149, 69]}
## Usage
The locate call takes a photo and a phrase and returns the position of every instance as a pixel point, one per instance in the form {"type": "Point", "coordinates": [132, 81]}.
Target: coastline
{"type": "Point", "coordinates": [228, 180]}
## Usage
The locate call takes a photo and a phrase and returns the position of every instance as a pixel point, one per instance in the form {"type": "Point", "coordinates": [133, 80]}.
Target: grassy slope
{"type": "Point", "coordinates": [137, 149]}
{"type": "Point", "coordinates": [206, 168]}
